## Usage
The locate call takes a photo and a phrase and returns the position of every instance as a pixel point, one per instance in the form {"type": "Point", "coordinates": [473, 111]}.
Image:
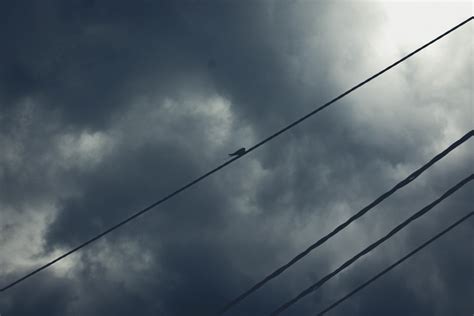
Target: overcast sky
{"type": "Point", "coordinates": [107, 106]}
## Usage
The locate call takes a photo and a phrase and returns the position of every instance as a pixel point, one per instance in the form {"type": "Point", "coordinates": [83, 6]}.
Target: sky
{"type": "Point", "coordinates": [107, 106]}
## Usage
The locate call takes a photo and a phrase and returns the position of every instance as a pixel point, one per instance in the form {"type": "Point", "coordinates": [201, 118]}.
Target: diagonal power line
{"type": "Point", "coordinates": [374, 245]}
{"type": "Point", "coordinates": [386, 270]}
{"type": "Point", "coordinates": [209, 173]}
{"type": "Point", "coordinates": [354, 217]}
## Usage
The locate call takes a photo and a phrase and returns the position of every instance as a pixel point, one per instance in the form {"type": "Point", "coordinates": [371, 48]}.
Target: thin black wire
{"type": "Point", "coordinates": [374, 245]}
{"type": "Point", "coordinates": [275, 273]}
{"type": "Point", "coordinates": [322, 107]}
{"type": "Point", "coordinates": [354, 217]}
{"type": "Point", "coordinates": [193, 182]}
{"type": "Point", "coordinates": [386, 270]}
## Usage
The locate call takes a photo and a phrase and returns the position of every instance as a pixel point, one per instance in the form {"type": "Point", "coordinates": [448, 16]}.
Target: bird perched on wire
{"type": "Point", "coordinates": [239, 152]}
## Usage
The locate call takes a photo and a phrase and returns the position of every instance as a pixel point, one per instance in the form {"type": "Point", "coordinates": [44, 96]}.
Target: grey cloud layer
{"type": "Point", "coordinates": [107, 106]}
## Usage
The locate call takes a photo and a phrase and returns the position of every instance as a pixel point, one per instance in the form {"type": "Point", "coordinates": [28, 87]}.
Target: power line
{"type": "Point", "coordinates": [354, 217]}
{"type": "Point", "coordinates": [386, 270]}
{"type": "Point", "coordinates": [195, 181]}
{"type": "Point", "coordinates": [322, 107]}
{"type": "Point", "coordinates": [399, 227]}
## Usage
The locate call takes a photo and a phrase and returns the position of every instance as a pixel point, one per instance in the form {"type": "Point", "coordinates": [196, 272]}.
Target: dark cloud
{"type": "Point", "coordinates": [52, 296]}
{"type": "Point", "coordinates": [107, 106]}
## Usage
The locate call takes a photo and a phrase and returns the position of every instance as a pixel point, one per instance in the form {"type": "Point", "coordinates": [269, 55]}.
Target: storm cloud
{"type": "Point", "coordinates": [107, 106]}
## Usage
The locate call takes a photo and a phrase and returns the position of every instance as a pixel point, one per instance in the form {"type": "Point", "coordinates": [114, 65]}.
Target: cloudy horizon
{"type": "Point", "coordinates": [108, 106]}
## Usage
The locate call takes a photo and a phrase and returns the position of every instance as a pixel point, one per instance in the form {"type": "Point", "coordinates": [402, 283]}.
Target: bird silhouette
{"type": "Point", "coordinates": [239, 152]}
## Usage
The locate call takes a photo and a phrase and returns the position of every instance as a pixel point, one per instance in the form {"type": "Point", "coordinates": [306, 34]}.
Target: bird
{"type": "Point", "coordinates": [239, 152]}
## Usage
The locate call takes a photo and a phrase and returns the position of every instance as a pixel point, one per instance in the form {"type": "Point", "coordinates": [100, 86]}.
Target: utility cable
{"type": "Point", "coordinates": [374, 245]}
{"type": "Point", "coordinates": [386, 270]}
{"type": "Point", "coordinates": [346, 223]}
